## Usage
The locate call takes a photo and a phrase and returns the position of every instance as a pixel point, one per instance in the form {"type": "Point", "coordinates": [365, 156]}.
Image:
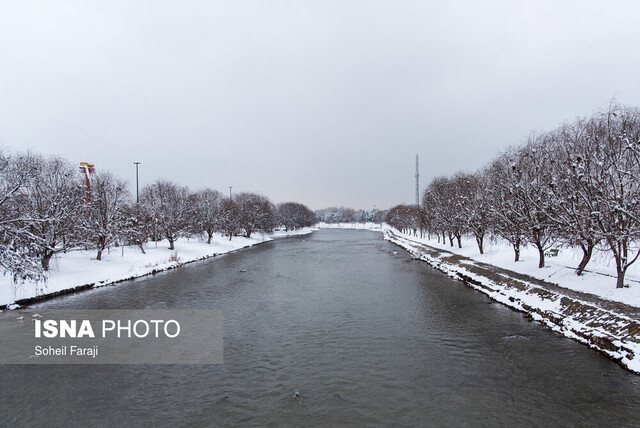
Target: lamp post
{"type": "Point", "coordinates": [230, 187]}
{"type": "Point", "coordinates": [137, 193]}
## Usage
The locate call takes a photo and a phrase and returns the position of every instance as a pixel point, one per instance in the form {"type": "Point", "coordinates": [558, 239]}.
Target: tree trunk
{"type": "Point", "coordinates": [480, 240]}
{"type": "Point", "coordinates": [45, 260]}
{"type": "Point", "coordinates": [516, 249]}
{"type": "Point", "coordinates": [141, 248]}
{"type": "Point", "coordinates": [459, 239]}
{"type": "Point", "coordinates": [170, 243]}
{"type": "Point", "coordinates": [541, 254]}
{"type": "Point", "coordinates": [587, 251]}
{"type": "Point", "coordinates": [101, 245]}
{"type": "Point", "coordinates": [620, 280]}
{"type": "Point", "coordinates": [210, 235]}
{"type": "Point", "coordinates": [620, 270]}
{"type": "Point", "coordinates": [451, 239]}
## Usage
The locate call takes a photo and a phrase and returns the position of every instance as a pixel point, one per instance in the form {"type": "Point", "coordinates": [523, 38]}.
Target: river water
{"type": "Point", "coordinates": [368, 337]}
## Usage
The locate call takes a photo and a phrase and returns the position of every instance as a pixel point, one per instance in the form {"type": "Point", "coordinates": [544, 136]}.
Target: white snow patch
{"type": "Point", "coordinates": [599, 279]}
{"type": "Point", "coordinates": [367, 226]}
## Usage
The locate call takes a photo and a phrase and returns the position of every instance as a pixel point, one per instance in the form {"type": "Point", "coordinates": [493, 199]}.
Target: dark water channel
{"type": "Point", "coordinates": [366, 335]}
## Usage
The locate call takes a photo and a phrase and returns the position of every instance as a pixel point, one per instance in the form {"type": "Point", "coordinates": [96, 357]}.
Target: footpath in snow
{"type": "Point", "coordinates": [604, 323]}
{"type": "Point", "coordinates": [79, 270]}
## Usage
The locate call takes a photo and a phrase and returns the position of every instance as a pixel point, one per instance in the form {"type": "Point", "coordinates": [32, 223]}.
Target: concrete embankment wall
{"type": "Point", "coordinates": [609, 327]}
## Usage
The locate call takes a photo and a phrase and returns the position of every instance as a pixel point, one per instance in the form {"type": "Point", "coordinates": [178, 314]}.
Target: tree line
{"type": "Point", "coordinates": [576, 186]}
{"type": "Point", "coordinates": [349, 215]}
{"type": "Point", "coordinates": [47, 207]}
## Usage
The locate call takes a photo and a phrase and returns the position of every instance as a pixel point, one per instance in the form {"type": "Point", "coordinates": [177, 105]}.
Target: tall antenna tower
{"type": "Point", "coordinates": [417, 184]}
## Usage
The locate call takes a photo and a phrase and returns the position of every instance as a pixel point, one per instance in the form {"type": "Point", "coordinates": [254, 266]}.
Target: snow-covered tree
{"type": "Point", "coordinates": [473, 205]}
{"type": "Point", "coordinates": [206, 212]}
{"type": "Point", "coordinates": [378, 215]}
{"type": "Point", "coordinates": [293, 215]}
{"type": "Point", "coordinates": [168, 204]}
{"type": "Point", "coordinates": [257, 213]}
{"type": "Point", "coordinates": [572, 212]}
{"type": "Point", "coordinates": [609, 179]}
{"type": "Point", "coordinates": [578, 184]}
{"type": "Point", "coordinates": [348, 215]}
{"type": "Point", "coordinates": [441, 202]}
{"type": "Point", "coordinates": [18, 254]}
{"type": "Point", "coordinates": [106, 211]}
{"type": "Point", "coordinates": [405, 218]}
{"type": "Point", "coordinates": [51, 203]}
{"type": "Point", "coordinates": [229, 217]}
{"type": "Point", "coordinates": [344, 215]}
{"type": "Point", "coordinates": [534, 187]}
{"type": "Point", "coordinates": [138, 225]}
{"type": "Point", "coordinates": [504, 204]}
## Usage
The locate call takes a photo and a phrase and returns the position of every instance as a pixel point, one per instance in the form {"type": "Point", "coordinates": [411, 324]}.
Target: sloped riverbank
{"type": "Point", "coordinates": [612, 328]}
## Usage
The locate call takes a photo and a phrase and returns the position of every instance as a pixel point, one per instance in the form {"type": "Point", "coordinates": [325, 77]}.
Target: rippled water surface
{"type": "Point", "coordinates": [368, 337]}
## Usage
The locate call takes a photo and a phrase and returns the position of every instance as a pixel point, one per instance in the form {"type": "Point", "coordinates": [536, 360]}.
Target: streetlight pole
{"type": "Point", "coordinates": [230, 187]}
{"type": "Point", "coordinates": [137, 193]}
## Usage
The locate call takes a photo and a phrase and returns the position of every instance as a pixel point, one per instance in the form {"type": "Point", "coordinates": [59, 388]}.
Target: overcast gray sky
{"type": "Point", "coordinates": [321, 102]}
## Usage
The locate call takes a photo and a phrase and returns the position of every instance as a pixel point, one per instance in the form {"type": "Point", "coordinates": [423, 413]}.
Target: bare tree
{"type": "Point", "coordinates": [168, 203]}
{"type": "Point", "coordinates": [138, 225]}
{"type": "Point", "coordinates": [348, 215]}
{"type": "Point", "coordinates": [609, 179]}
{"type": "Point", "coordinates": [206, 212]}
{"type": "Point", "coordinates": [293, 215]}
{"type": "Point", "coordinates": [442, 203]}
{"type": "Point", "coordinates": [379, 215]}
{"type": "Point", "coordinates": [106, 219]}
{"type": "Point", "coordinates": [257, 213]}
{"type": "Point", "coordinates": [578, 184]}
{"type": "Point", "coordinates": [52, 203]}
{"type": "Point", "coordinates": [229, 217]}
{"type": "Point", "coordinates": [504, 205]}
{"type": "Point", "coordinates": [572, 209]}
{"type": "Point", "coordinates": [473, 205]}
{"type": "Point", "coordinates": [405, 218]}
{"type": "Point", "coordinates": [534, 188]}
{"type": "Point", "coordinates": [17, 250]}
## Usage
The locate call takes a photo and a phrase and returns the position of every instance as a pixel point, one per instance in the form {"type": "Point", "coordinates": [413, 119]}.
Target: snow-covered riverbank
{"type": "Point", "coordinates": [366, 226]}
{"type": "Point", "coordinates": [599, 277]}
{"type": "Point", "coordinates": [81, 270]}
{"type": "Point", "coordinates": [609, 326]}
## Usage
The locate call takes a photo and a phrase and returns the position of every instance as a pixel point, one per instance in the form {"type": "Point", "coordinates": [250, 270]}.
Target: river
{"type": "Point", "coordinates": [367, 335]}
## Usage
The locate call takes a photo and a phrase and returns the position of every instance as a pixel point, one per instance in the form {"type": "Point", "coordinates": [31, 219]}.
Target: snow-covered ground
{"type": "Point", "coordinates": [78, 268]}
{"type": "Point", "coordinates": [368, 226]}
{"type": "Point", "coordinates": [599, 279]}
